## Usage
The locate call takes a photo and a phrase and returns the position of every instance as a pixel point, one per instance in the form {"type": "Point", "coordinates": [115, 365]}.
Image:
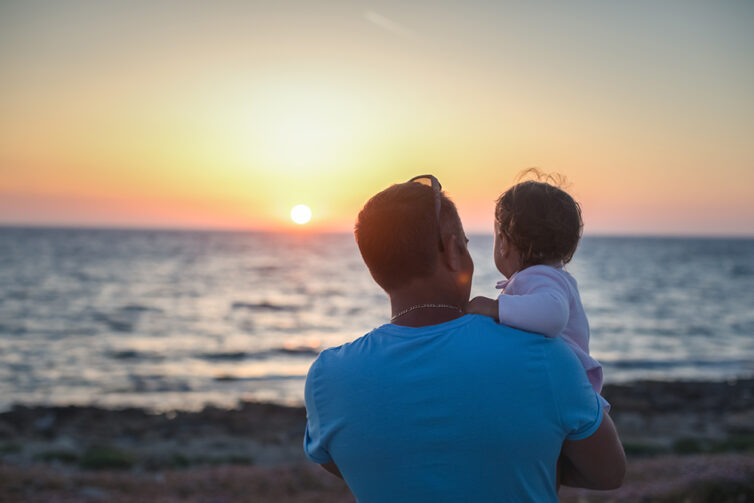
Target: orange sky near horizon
{"type": "Point", "coordinates": [226, 114]}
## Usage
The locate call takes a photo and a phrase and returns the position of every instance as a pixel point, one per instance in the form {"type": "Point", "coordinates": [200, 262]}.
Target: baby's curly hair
{"type": "Point", "coordinates": [540, 219]}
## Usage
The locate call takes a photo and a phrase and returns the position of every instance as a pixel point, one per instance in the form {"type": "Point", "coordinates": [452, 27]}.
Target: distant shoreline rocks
{"type": "Point", "coordinates": [652, 417]}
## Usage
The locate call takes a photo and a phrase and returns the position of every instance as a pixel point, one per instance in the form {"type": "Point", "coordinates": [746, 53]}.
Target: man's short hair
{"type": "Point", "coordinates": [397, 233]}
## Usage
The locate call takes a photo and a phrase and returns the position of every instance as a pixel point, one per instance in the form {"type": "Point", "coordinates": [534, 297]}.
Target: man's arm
{"type": "Point", "coordinates": [332, 468]}
{"type": "Point", "coordinates": [315, 434]}
{"type": "Point", "coordinates": [596, 462]}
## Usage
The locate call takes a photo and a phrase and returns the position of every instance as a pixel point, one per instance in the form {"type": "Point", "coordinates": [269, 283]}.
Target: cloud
{"type": "Point", "coordinates": [388, 24]}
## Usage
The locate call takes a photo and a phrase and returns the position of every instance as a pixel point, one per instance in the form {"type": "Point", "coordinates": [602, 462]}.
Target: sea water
{"type": "Point", "coordinates": [180, 319]}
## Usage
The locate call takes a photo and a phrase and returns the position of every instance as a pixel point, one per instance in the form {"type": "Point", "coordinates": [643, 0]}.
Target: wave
{"type": "Point", "coordinates": [299, 350]}
{"type": "Point", "coordinates": [12, 329]}
{"type": "Point", "coordinates": [237, 355]}
{"type": "Point", "coordinates": [153, 384]}
{"type": "Point", "coordinates": [138, 308]}
{"type": "Point", "coordinates": [272, 377]}
{"type": "Point", "coordinates": [668, 364]}
{"type": "Point", "coordinates": [741, 270]}
{"type": "Point", "coordinates": [264, 306]}
{"type": "Point", "coordinates": [251, 355]}
{"type": "Point", "coordinates": [124, 318]}
{"type": "Point", "coordinates": [130, 354]}
{"type": "Point", "coordinates": [115, 324]}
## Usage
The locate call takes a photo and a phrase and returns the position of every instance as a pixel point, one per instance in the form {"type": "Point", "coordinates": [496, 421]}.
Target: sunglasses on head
{"type": "Point", "coordinates": [432, 181]}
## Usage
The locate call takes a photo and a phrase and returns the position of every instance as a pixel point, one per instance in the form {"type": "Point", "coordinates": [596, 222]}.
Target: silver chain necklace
{"type": "Point", "coordinates": [423, 306]}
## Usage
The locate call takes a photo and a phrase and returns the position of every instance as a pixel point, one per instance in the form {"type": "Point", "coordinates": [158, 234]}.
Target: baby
{"type": "Point", "coordinates": [537, 230]}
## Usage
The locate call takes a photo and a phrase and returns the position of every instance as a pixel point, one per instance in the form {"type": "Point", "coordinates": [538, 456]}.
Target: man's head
{"type": "Point", "coordinates": [397, 233]}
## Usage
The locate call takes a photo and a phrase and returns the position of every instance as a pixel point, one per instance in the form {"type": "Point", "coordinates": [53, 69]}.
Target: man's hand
{"type": "Point", "coordinates": [484, 306]}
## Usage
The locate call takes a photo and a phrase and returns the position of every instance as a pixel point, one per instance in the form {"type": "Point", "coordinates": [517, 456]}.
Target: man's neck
{"type": "Point", "coordinates": [429, 314]}
{"type": "Point", "coordinates": [422, 306]}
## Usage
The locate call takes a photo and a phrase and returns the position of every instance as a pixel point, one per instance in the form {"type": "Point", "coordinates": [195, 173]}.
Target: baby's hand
{"type": "Point", "coordinates": [483, 306]}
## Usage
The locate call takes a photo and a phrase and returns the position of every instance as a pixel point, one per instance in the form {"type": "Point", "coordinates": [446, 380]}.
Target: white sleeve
{"type": "Point", "coordinates": [539, 304]}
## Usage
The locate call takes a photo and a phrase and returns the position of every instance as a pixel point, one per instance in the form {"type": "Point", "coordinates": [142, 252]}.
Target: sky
{"type": "Point", "coordinates": [226, 114]}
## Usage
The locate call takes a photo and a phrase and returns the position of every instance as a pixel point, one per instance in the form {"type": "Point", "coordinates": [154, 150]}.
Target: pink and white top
{"type": "Point", "coordinates": [545, 299]}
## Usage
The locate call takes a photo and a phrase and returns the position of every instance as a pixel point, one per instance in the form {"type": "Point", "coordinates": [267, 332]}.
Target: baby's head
{"type": "Point", "coordinates": [536, 222]}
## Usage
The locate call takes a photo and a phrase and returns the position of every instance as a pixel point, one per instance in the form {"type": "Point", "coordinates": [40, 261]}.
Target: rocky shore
{"type": "Point", "coordinates": [677, 435]}
{"type": "Point", "coordinates": [683, 417]}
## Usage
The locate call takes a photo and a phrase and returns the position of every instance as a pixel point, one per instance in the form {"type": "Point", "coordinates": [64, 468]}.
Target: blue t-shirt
{"type": "Point", "coordinates": [467, 410]}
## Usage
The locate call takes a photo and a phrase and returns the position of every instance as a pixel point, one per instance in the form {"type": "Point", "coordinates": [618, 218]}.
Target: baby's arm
{"type": "Point", "coordinates": [540, 304]}
{"type": "Point", "coordinates": [484, 306]}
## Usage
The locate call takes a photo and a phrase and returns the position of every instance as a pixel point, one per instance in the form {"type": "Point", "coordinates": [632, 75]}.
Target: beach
{"type": "Point", "coordinates": [170, 366]}
{"type": "Point", "coordinates": [685, 440]}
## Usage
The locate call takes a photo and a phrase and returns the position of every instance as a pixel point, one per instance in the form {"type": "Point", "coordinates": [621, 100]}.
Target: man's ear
{"type": "Point", "coordinates": [452, 254]}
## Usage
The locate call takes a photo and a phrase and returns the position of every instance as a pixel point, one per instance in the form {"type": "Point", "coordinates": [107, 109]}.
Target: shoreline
{"type": "Point", "coordinates": [702, 424]}
{"type": "Point", "coordinates": [721, 478]}
{"type": "Point", "coordinates": [652, 417]}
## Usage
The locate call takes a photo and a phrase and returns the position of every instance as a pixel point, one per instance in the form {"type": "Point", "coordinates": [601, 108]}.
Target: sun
{"type": "Point", "coordinates": [301, 214]}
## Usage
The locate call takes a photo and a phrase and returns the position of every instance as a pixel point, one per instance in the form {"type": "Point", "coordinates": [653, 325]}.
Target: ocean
{"type": "Point", "coordinates": [181, 319]}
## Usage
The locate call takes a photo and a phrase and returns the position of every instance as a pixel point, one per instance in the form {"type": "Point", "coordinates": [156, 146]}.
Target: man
{"type": "Point", "coordinates": [441, 406]}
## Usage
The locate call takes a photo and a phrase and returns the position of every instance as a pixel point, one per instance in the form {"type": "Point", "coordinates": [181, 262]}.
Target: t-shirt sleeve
{"type": "Point", "coordinates": [314, 438]}
{"type": "Point", "coordinates": [578, 404]}
{"type": "Point", "coordinates": [535, 302]}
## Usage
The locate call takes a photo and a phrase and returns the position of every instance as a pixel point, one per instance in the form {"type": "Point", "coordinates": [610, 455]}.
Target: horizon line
{"type": "Point", "coordinates": [304, 231]}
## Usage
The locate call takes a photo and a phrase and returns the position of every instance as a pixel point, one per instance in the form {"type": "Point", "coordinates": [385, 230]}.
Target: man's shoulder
{"type": "Point", "coordinates": [342, 355]}
{"type": "Point", "coordinates": [492, 337]}
{"type": "Point", "coordinates": [486, 326]}
{"type": "Point", "coordinates": [483, 337]}
{"type": "Point", "coordinates": [475, 331]}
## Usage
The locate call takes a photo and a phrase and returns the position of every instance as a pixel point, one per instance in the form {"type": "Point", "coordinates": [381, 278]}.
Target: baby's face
{"type": "Point", "coordinates": [507, 258]}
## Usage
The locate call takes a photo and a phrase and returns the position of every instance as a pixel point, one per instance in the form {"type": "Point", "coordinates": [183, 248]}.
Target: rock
{"type": "Point", "coordinates": [93, 493]}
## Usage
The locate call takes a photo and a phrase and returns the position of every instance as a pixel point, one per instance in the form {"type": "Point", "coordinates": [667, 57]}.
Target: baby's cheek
{"type": "Point", "coordinates": [499, 260]}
